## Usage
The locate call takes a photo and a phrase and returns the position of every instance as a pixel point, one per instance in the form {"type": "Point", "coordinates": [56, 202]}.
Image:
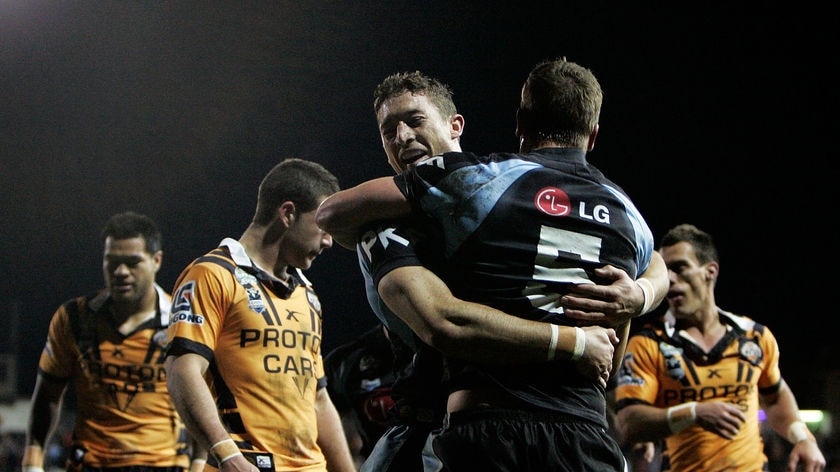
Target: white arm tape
{"type": "Point", "coordinates": [682, 416]}
{"type": "Point", "coordinates": [552, 346]}
{"type": "Point", "coordinates": [225, 450]}
{"type": "Point", "coordinates": [798, 431]}
{"type": "Point", "coordinates": [647, 290]}
{"type": "Point", "coordinates": [580, 344]}
{"type": "Point", "coordinates": [33, 459]}
{"type": "Point", "coordinates": [197, 465]}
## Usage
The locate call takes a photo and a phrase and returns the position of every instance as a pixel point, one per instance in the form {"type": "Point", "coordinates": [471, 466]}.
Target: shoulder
{"type": "Point", "coordinates": [214, 263]}
{"type": "Point", "coordinates": [744, 323]}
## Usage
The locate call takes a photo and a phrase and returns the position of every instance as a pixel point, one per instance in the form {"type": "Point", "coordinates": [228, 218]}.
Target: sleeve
{"type": "Point", "coordinates": [200, 303]}
{"type": "Point", "coordinates": [643, 235]}
{"type": "Point", "coordinates": [380, 251]}
{"type": "Point", "coordinates": [423, 183]}
{"type": "Point", "coordinates": [638, 380]}
{"type": "Point", "coordinates": [771, 374]}
{"type": "Point", "coordinates": [60, 351]}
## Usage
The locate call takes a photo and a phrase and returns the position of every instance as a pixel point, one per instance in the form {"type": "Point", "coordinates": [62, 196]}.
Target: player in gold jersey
{"type": "Point", "coordinates": [245, 364]}
{"type": "Point", "coordinates": [696, 380]}
{"type": "Point", "coordinates": [110, 345]}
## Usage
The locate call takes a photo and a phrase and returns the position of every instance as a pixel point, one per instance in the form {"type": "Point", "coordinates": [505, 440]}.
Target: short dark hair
{"type": "Point", "coordinates": [131, 224]}
{"type": "Point", "coordinates": [561, 102]}
{"type": "Point", "coordinates": [300, 181]}
{"type": "Point", "coordinates": [701, 241]}
{"type": "Point", "coordinates": [415, 83]}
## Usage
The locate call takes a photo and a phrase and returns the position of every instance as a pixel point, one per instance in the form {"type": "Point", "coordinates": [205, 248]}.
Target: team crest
{"type": "Point", "coordinates": [751, 351]}
{"type": "Point", "coordinates": [625, 372]}
{"type": "Point", "coordinates": [673, 360]}
{"type": "Point", "coordinates": [314, 301]}
{"type": "Point", "coordinates": [249, 282]}
{"type": "Point", "coordinates": [160, 339]}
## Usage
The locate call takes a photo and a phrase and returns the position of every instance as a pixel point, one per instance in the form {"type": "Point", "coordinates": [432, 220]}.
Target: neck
{"type": "Point", "coordinates": [128, 316]}
{"type": "Point", "coordinates": [263, 249]}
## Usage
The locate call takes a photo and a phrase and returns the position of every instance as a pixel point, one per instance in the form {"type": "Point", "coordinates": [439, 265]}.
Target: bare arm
{"type": "Point", "coordinates": [331, 436]}
{"type": "Point", "coordinates": [344, 213]}
{"type": "Point", "coordinates": [642, 423]}
{"type": "Point", "coordinates": [194, 402]}
{"type": "Point", "coordinates": [43, 417]}
{"type": "Point", "coordinates": [620, 301]}
{"type": "Point", "coordinates": [782, 412]}
{"type": "Point", "coordinates": [479, 333]}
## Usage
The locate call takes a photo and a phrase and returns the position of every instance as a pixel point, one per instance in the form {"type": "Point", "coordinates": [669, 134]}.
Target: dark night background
{"type": "Point", "coordinates": [718, 116]}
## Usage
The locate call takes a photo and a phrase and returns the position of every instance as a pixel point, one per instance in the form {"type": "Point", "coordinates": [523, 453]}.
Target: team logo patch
{"type": "Point", "coordinates": [673, 360]}
{"type": "Point", "coordinates": [553, 201]}
{"type": "Point", "coordinates": [751, 351]}
{"type": "Point", "coordinates": [249, 282]}
{"type": "Point", "coordinates": [160, 339]}
{"type": "Point", "coordinates": [182, 306]}
{"type": "Point", "coordinates": [313, 301]}
{"type": "Point", "coordinates": [626, 376]}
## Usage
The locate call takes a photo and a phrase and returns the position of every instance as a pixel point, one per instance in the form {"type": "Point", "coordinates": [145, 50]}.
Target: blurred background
{"type": "Point", "coordinates": [713, 115]}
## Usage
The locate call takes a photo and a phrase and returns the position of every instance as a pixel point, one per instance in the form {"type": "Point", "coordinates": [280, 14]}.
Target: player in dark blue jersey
{"type": "Point", "coordinates": [419, 394]}
{"type": "Point", "coordinates": [413, 124]}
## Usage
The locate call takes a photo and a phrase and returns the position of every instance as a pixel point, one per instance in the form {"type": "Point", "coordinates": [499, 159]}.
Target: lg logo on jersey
{"type": "Point", "coordinates": [555, 202]}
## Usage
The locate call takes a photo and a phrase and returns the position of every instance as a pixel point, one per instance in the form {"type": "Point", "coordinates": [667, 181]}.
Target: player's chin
{"type": "Point", "coordinates": [307, 262]}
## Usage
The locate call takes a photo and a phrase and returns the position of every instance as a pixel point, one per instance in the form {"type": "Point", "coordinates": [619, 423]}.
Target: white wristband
{"type": "Point", "coordinates": [798, 431]}
{"type": "Point", "coordinates": [580, 344]}
{"type": "Point", "coordinates": [197, 465]}
{"type": "Point", "coordinates": [647, 290]}
{"type": "Point", "coordinates": [552, 346]}
{"type": "Point", "coordinates": [225, 450]}
{"type": "Point", "coordinates": [682, 416]}
{"type": "Point", "coordinates": [33, 459]}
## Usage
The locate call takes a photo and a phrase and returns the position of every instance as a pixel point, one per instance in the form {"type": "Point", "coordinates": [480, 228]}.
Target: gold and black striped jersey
{"type": "Point", "coordinates": [124, 413]}
{"type": "Point", "coordinates": [263, 341]}
{"type": "Point", "coordinates": [663, 367]}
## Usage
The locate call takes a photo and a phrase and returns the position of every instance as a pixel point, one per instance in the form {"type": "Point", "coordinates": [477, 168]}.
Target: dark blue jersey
{"type": "Point", "coordinates": [386, 246]}
{"type": "Point", "coordinates": [518, 229]}
{"type": "Point", "coordinates": [419, 390]}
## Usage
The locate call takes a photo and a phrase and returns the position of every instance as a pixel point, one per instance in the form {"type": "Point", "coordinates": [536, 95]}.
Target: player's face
{"type": "Point", "coordinates": [304, 241]}
{"type": "Point", "coordinates": [689, 280]}
{"type": "Point", "coordinates": [412, 128]}
{"type": "Point", "coordinates": [128, 269]}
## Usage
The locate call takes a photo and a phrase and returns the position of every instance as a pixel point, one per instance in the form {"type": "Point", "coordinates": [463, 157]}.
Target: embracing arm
{"type": "Point", "coordinates": [479, 333]}
{"type": "Point", "coordinates": [617, 304]}
{"type": "Point", "coordinates": [623, 299]}
{"type": "Point", "coordinates": [344, 213]}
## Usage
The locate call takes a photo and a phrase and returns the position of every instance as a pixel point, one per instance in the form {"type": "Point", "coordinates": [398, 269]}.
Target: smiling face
{"type": "Point", "coordinates": [412, 128]}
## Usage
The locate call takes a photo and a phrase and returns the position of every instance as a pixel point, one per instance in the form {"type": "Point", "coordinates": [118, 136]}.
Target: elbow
{"type": "Point", "coordinates": [625, 435]}
{"type": "Point", "coordinates": [445, 339]}
{"type": "Point", "coordinates": [325, 217]}
{"type": "Point", "coordinates": [625, 431]}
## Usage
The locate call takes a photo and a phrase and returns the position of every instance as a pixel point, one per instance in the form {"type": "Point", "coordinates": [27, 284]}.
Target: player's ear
{"type": "Point", "coordinates": [286, 211]}
{"type": "Point", "coordinates": [594, 134]}
{"type": "Point", "coordinates": [456, 126]}
{"type": "Point", "coordinates": [712, 270]}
